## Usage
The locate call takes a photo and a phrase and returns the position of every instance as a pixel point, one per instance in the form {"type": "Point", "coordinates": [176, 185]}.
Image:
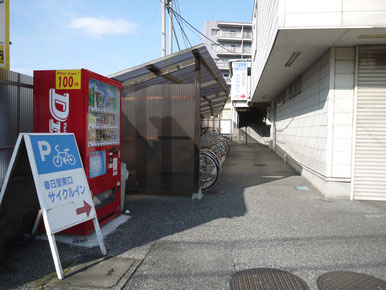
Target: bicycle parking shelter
{"type": "Point", "coordinates": [163, 103]}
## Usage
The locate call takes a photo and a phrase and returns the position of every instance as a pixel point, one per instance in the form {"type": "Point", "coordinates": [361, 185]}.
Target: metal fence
{"type": "Point", "coordinates": [223, 126]}
{"type": "Point", "coordinates": [16, 113]}
{"type": "Point", "coordinates": [212, 123]}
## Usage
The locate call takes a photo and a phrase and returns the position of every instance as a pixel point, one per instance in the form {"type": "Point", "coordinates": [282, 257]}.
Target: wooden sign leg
{"type": "Point", "coordinates": [99, 236]}
{"type": "Point", "coordinates": [55, 256]}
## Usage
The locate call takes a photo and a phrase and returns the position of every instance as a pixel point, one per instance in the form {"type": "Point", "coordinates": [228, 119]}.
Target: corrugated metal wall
{"type": "Point", "coordinates": [159, 136]}
{"type": "Point", "coordinates": [370, 147]}
{"type": "Point", "coordinates": [16, 112]}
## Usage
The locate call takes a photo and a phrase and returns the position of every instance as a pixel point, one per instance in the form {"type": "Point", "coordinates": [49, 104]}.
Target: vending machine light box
{"type": "Point", "coordinates": [88, 105]}
{"type": "Point", "coordinates": [97, 163]}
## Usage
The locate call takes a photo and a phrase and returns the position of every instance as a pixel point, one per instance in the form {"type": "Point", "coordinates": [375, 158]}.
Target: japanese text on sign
{"type": "Point", "coordinates": [62, 189]}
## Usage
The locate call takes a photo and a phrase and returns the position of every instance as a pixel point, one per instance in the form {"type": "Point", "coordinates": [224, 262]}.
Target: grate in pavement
{"type": "Point", "coordinates": [266, 278]}
{"type": "Point", "coordinates": [349, 280]}
{"type": "Point", "coordinates": [302, 188]}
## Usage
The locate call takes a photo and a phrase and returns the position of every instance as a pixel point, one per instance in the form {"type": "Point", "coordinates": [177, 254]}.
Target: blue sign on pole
{"type": "Point", "coordinates": [55, 153]}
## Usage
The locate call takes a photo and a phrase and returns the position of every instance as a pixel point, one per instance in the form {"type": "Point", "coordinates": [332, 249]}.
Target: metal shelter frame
{"type": "Point", "coordinates": [163, 104]}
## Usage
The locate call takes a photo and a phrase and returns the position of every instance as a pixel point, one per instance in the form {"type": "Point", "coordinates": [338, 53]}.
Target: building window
{"type": "Point", "coordinates": [214, 31]}
{"type": "Point", "coordinates": [281, 98]}
{"type": "Point", "coordinates": [295, 87]}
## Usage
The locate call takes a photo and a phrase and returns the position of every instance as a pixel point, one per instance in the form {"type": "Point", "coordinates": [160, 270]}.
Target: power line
{"type": "Point", "coordinates": [184, 36]}
{"type": "Point", "coordinates": [175, 35]}
{"type": "Point", "coordinates": [190, 25]}
{"type": "Point", "coordinates": [178, 16]}
{"type": "Point", "coordinates": [179, 11]}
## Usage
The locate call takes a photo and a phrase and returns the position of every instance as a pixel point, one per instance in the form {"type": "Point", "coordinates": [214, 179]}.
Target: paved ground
{"type": "Point", "coordinates": [253, 217]}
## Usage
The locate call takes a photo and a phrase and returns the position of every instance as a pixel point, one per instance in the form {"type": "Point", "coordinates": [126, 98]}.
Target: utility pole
{"type": "Point", "coordinates": [163, 38]}
{"type": "Point", "coordinates": [170, 6]}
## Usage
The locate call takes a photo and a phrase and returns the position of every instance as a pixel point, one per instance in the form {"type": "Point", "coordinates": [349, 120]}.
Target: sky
{"type": "Point", "coordinates": [103, 36]}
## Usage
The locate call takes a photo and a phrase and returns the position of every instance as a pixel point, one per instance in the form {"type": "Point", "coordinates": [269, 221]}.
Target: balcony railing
{"type": "Point", "coordinates": [229, 34]}
{"type": "Point", "coordinates": [229, 50]}
{"type": "Point", "coordinates": [222, 64]}
{"type": "Point", "coordinates": [248, 35]}
{"type": "Point", "coordinates": [247, 50]}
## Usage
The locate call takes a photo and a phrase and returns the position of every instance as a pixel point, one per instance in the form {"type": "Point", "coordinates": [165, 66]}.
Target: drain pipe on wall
{"type": "Point", "coordinates": [274, 126]}
{"type": "Point", "coordinates": [355, 115]}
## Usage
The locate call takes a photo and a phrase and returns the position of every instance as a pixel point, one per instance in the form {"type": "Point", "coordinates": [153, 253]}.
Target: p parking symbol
{"type": "Point", "coordinates": [44, 149]}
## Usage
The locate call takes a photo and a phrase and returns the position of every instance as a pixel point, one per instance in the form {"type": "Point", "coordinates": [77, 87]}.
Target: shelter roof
{"type": "Point", "coordinates": [179, 68]}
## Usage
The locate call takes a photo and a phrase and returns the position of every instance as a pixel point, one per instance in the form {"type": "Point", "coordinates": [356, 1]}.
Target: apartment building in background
{"type": "Point", "coordinates": [321, 67]}
{"type": "Point", "coordinates": [235, 39]}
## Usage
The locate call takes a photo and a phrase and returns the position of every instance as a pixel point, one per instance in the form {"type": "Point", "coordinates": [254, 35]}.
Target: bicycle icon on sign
{"type": "Point", "coordinates": [63, 157]}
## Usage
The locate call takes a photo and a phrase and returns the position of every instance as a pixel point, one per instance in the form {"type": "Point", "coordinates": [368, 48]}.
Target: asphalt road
{"type": "Point", "coordinates": [253, 217]}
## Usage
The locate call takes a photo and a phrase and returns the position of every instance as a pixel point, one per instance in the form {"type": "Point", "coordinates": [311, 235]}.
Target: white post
{"type": "Point", "coordinates": [163, 38]}
{"type": "Point", "coordinates": [171, 27]}
{"type": "Point", "coordinates": [99, 236]}
{"type": "Point", "coordinates": [55, 255]}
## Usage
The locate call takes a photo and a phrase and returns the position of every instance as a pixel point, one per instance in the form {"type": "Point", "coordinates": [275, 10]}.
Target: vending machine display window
{"type": "Point", "coordinates": [97, 163]}
{"type": "Point", "coordinates": [103, 116]}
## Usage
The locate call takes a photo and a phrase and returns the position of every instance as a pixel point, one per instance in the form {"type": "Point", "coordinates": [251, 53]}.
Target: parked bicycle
{"type": "Point", "coordinates": [213, 148]}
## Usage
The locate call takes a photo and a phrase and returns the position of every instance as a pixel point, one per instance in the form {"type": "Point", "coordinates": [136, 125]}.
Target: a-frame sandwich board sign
{"type": "Point", "coordinates": [52, 163]}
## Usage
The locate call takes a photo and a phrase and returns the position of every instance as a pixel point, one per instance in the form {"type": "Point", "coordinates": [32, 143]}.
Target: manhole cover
{"type": "Point", "coordinates": [266, 278]}
{"type": "Point", "coordinates": [349, 280]}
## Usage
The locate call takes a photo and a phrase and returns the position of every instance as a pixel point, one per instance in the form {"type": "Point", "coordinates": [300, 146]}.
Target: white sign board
{"type": "Point", "coordinates": [225, 127]}
{"type": "Point", "coordinates": [239, 88]}
{"type": "Point", "coordinates": [61, 184]}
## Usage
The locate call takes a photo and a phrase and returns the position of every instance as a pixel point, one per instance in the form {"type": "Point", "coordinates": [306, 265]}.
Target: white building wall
{"type": "Point", "coordinates": [314, 130]}
{"type": "Point", "coordinates": [270, 16]}
{"type": "Point", "coordinates": [301, 122]}
{"type": "Point", "coordinates": [343, 112]}
{"type": "Point", "coordinates": [266, 24]}
{"type": "Point", "coordinates": [334, 13]}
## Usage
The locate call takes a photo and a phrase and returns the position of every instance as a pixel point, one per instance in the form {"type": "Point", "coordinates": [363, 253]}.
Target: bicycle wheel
{"type": "Point", "coordinates": [226, 143]}
{"type": "Point", "coordinates": [217, 150]}
{"type": "Point", "coordinates": [222, 146]}
{"type": "Point", "coordinates": [208, 171]}
{"type": "Point", "coordinates": [213, 155]}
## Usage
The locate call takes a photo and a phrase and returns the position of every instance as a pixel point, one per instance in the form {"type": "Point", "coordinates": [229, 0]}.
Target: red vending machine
{"type": "Point", "coordinates": [88, 105]}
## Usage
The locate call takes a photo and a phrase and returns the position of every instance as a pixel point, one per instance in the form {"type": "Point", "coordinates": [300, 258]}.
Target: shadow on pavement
{"type": "Point", "coordinates": [156, 217]}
